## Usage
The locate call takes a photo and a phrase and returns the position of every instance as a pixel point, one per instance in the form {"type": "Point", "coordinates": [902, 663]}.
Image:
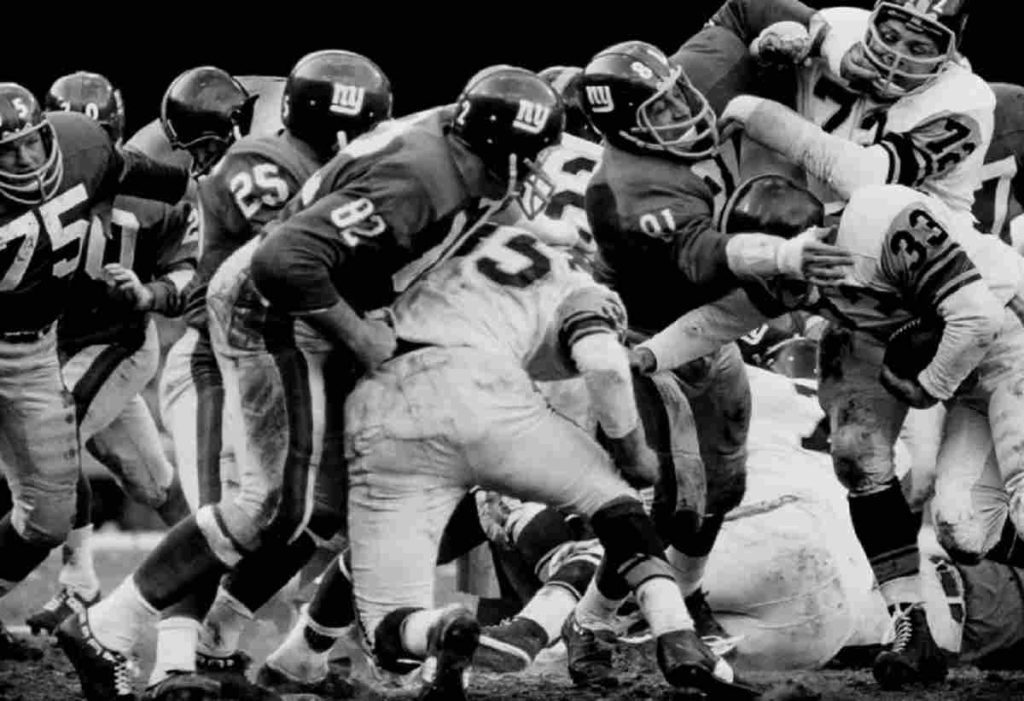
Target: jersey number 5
{"type": "Point", "coordinates": [27, 227]}
{"type": "Point", "coordinates": [515, 262]}
{"type": "Point", "coordinates": [263, 186]}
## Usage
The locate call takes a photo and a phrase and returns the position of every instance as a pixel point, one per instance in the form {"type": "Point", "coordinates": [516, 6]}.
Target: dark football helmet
{"type": "Point", "coordinates": [902, 73]}
{"type": "Point", "coordinates": [31, 163]}
{"type": "Point", "coordinates": [204, 111]}
{"type": "Point", "coordinates": [507, 116]}
{"type": "Point", "coordinates": [641, 102]}
{"type": "Point", "coordinates": [566, 82]}
{"type": "Point", "coordinates": [771, 204]}
{"type": "Point", "coordinates": [92, 95]}
{"type": "Point", "coordinates": [332, 97]}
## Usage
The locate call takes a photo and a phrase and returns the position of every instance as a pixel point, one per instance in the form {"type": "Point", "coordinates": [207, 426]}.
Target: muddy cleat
{"type": "Point", "coordinates": [914, 655]}
{"type": "Point", "coordinates": [15, 649]}
{"type": "Point", "coordinates": [708, 627]}
{"type": "Point", "coordinates": [63, 604]}
{"type": "Point", "coordinates": [105, 674]}
{"type": "Point", "coordinates": [332, 686]}
{"type": "Point", "coordinates": [690, 666]}
{"type": "Point", "coordinates": [183, 686]}
{"type": "Point", "coordinates": [451, 643]}
{"type": "Point", "coordinates": [589, 654]}
{"type": "Point", "coordinates": [229, 672]}
{"type": "Point", "coordinates": [510, 646]}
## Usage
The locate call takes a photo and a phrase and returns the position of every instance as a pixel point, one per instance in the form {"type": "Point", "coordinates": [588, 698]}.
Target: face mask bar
{"type": "Point", "coordinates": [897, 81]}
{"type": "Point", "coordinates": [537, 189]}
{"type": "Point", "coordinates": [39, 185]}
{"type": "Point", "coordinates": [700, 128]}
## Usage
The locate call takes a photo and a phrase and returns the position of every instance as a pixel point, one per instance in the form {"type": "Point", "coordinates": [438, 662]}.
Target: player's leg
{"type": "Point", "coordinates": [513, 453]}
{"type": "Point", "coordinates": [865, 422]}
{"type": "Point", "coordinates": [40, 457]}
{"type": "Point", "coordinates": [718, 392]}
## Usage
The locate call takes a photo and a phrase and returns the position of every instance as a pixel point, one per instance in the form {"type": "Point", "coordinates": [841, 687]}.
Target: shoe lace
{"type": "Point", "coordinates": [124, 675]}
{"type": "Point", "coordinates": [57, 600]}
{"type": "Point", "coordinates": [904, 628]}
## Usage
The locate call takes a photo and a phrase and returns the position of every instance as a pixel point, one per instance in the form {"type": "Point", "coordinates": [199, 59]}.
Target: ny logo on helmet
{"type": "Point", "coordinates": [600, 97]}
{"type": "Point", "coordinates": [347, 99]}
{"type": "Point", "coordinates": [532, 116]}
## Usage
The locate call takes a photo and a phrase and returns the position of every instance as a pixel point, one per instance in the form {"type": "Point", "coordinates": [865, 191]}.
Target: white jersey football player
{"type": "Point", "coordinates": [457, 407]}
{"type": "Point", "coordinates": [913, 258]}
{"type": "Point", "coordinates": [925, 121]}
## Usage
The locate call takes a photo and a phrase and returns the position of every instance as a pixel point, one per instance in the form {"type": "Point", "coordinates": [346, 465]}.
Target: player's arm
{"type": "Point", "coordinates": [906, 158]}
{"type": "Point", "coordinates": [294, 268]}
{"type": "Point", "coordinates": [700, 332]}
{"type": "Point", "coordinates": [177, 257]}
{"type": "Point", "coordinates": [748, 18]}
{"type": "Point", "coordinates": [134, 173]}
{"type": "Point", "coordinates": [921, 259]}
{"type": "Point", "coordinates": [590, 323]}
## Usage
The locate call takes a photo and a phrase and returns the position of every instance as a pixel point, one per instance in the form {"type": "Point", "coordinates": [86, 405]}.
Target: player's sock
{"type": "Point", "coordinates": [662, 604]}
{"type": "Point", "coordinates": [890, 543]}
{"type": "Point", "coordinates": [263, 573]}
{"type": "Point", "coordinates": [117, 620]}
{"type": "Point", "coordinates": [78, 573]}
{"type": "Point", "coordinates": [303, 654]}
{"type": "Point", "coordinates": [1010, 548]}
{"type": "Point", "coordinates": [18, 557]}
{"type": "Point", "coordinates": [331, 607]}
{"type": "Point", "coordinates": [177, 639]}
{"type": "Point", "coordinates": [224, 625]}
{"type": "Point", "coordinates": [549, 608]}
{"type": "Point", "coordinates": [176, 564]}
{"type": "Point", "coordinates": [689, 570]}
{"type": "Point", "coordinates": [595, 610]}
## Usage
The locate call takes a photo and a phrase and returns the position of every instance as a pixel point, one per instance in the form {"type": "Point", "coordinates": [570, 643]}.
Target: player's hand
{"type": "Point", "coordinates": [857, 70]}
{"type": "Point", "coordinates": [642, 360]}
{"type": "Point", "coordinates": [127, 284]}
{"type": "Point", "coordinates": [909, 391]}
{"type": "Point", "coordinates": [782, 44]}
{"type": "Point", "coordinates": [737, 112]}
{"type": "Point", "coordinates": [634, 458]}
{"type": "Point", "coordinates": [808, 257]}
{"type": "Point", "coordinates": [376, 342]}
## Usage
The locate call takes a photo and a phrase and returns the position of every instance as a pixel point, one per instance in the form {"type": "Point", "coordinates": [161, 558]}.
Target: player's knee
{"type": "Point", "coordinates": [388, 649]}
{"type": "Point", "coordinates": [964, 537]}
{"type": "Point", "coordinates": [859, 464]}
{"type": "Point", "coordinates": [727, 482]}
{"type": "Point", "coordinates": [45, 525]}
{"type": "Point", "coordinates": [631, 544]}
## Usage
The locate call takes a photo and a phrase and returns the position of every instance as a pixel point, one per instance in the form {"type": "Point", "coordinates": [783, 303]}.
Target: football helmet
{"type": "Point", "coordinates": [331, 97]}
{"type": "Point", "coordinates": [641, 102]}
{"type": "Point", "coordinates": [22, 120]}
{"type": "Point", "coordinates": [92, 95]}
{"type": "Point", "coordinates": [771, 204]}
{"type": "Point", "coordinates": [566, 82]}
{"type": "Point", "coordinates": [204, 111]}
{"type": "Point", "coordinates": [507, 116]}
{"type": "Point", "coordinates": [903, 73]}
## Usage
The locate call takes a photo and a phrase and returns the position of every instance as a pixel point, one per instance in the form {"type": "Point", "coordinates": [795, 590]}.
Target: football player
{"type": "Point", "coordinates": [510, 304]}
{"type": "Point", "coordinates": [998, 202]}
{"type": "Point", "coordinates": [912, 260]}
{"type": "Point", "coordinates": [653, 203]}
{"type": "Point", "coordinates": [55, 170]}
{"type": "Point", "coordinates": [247, 187]}
{"type": "Point", "coordinates": [108, 346]}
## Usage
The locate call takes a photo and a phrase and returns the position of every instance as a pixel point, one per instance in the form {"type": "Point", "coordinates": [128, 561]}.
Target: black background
{"type": "Point", "coordinates": [428, 52]}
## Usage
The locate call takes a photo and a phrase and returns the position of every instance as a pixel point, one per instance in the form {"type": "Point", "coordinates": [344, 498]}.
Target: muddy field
{"type": "Point", "coordinates": [52, 679]}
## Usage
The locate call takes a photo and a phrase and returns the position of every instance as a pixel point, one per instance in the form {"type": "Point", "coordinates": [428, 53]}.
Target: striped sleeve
{"type": "Point", "coordinates": [587, 311]}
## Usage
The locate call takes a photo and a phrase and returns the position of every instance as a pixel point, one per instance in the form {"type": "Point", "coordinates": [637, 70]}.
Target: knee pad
{"type": "Point", "coordinates": [856, 459]}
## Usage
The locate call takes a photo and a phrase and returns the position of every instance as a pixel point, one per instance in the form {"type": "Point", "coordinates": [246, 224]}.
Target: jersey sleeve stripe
{"type": "Point", "coordinates": [907, 170]}
{"type": "Point", "coordinates": [579, 325]}
{"type": "Point", "coordinates": [937, 294]}
{"type": "Point", "coordinates": [936, 263]}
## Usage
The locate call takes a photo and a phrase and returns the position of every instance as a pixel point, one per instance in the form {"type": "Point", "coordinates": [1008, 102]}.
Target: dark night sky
{"type": "Point", "coordinates": [428, 53]}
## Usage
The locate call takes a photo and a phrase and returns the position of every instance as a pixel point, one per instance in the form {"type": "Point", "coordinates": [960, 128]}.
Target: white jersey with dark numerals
{"type": "Point", "coordinates": [936, 138]}
{"type": "Point", "coordinates": [512, 296]}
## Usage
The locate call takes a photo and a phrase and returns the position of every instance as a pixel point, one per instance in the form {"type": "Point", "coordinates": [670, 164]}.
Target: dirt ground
{"type": "Point", "coordinates": [52, 679]}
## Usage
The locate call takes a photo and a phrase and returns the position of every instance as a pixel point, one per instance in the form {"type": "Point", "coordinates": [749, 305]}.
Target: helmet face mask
{"type": "Point", "coordinates": [909, 45]}
{"type": "Point", "coordinates": [31, 163]}
{"type": "Point", "coordinates": [534, 187]}
{"type": "Point", "coordinates": [639, 101]}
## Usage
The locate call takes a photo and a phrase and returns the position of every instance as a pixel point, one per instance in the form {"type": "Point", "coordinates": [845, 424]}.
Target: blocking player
{"type": "Point", "coordinates": [56, 171]}
{"type": "Point", "coordinates": [411, 188]}
{"type": "Point", "coordinates": [137, 261]}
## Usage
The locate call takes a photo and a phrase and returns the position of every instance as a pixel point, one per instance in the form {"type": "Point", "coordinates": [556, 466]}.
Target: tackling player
{"type": "Point", "coordinates": [56, 171]}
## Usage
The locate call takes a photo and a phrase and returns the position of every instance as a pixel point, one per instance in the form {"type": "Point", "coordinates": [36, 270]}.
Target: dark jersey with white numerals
{"type": "Point", "coordinates": [41, 245]}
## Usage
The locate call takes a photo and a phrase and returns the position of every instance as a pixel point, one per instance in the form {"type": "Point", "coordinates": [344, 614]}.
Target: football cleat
{"type": "Point", "coordinates": [708, 627]}
{"type": "Point", "coordinates": [105, 674]}
{"type": "Point", "coordinates": [589, 654]}
{"type": "Point", "coordinates": [183, 686]}
{"type": "Point", "coordinates": [451, 643]}
{"type": "Point", "coordinates": [12, 648]}
{"type": "Point", "coordinates": [690, 666]}
{"type": "Point", "coordinates": [64, 603]}
{"type": "Point", "coordinates": [510, 646]}
{"type": "Point", "coordinates": [229, 672]}
{"type": "Point", "coordinates": [332, 685]}
{"type": "Point", "coordinates": [914, 655]}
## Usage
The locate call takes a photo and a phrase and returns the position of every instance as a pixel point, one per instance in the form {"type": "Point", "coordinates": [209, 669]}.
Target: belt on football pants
{"type": "Point", "coordinates": [24, 336]}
